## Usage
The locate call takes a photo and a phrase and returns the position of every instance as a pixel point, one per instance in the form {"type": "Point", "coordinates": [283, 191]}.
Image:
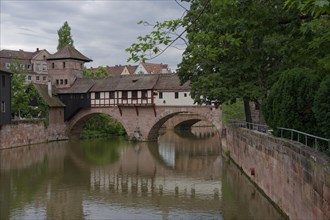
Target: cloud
{"type": "Point", "coordinates": [101, 29]}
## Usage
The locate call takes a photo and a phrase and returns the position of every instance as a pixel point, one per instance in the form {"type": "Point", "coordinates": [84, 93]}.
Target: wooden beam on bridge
{"type": "Point", "coordinates": [121, 113]}
{"type": "Point", "coordinates": [137, 110]}
{"type": "Point", "coordinates": [154, 108]}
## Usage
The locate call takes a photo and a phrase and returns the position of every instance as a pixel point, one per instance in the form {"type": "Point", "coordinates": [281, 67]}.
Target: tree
{"type": "Point", "coordinates": [100, 72]}
{"type": "Point", "coordinates": [64, 36]}
{"type": "Point", "coordinates": [321, 107]}
{"type": "Point", "coordinates": [235, 49]}
{"type": "Point", "coordinates": [20, 100]}
{"type": "Point", "coordinates": [290, 101]}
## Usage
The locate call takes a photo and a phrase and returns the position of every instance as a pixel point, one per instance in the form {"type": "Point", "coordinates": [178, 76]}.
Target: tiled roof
{"type": "Point", "coordinates": [125, 82]}
{"type": "Point", "coordinates": [153, 68]}
{"type": "Point", "coordinates": [50, 101]}
{"type": "Point", "coordinates": [105, 84]}
{"type": "Point", "coordinates": [17, 54]}
{"type": "Point", "coordinates": [137, 82]}
{"type": "Point", "coordinates": [69, 52]}
{"type": "Point", "coordinates": [131, 68]}
{"type": "Point", "coordinates": [80, 86]}
{"type": "Point", "coordinates": [115, 70]}
{"type": "Point", "coordinates": [171, 82]}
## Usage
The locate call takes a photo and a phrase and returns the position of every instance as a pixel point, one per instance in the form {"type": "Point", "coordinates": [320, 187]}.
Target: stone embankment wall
{"type": "Point", "coordinates": [26, 133]}
{"type": "Point", "coordinates": [293, 176]}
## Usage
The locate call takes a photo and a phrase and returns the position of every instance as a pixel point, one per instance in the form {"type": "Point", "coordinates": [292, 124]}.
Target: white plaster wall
{"type": "Point", "coordinates": [169, 99]}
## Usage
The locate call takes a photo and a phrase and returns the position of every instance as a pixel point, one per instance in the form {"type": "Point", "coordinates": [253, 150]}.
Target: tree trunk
{"type": "Point", "coordinates": [247, 110]}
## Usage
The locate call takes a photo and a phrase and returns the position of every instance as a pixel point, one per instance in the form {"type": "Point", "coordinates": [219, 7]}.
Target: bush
{"type": "Point", "coordinates": [290, 101]}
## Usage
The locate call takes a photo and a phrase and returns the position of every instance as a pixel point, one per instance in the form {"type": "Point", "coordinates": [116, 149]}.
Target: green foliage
{"type": "Point", "coordinates": [20, 99]}
{"type": "Point", "coordinates": [233, 111]}
{"type": "Point", "coordinates": [239, 49]}
{"type": "Point", "coordinates": [102, 126]}
{"type": "Point", "coordinates": [321, 107]}
{"type": "Point", "coordinates": [64, 36]}
{"type": "Point", "coordinates": [149, 45]}
{"type": "Point", "coordinates": [26, 101]}
{"type": "Point", "coordinates": [290, 101]}
{"type": "Point", "coordinates": [100, 72]}
{"type": "Point", "coordinates": [99, 152]}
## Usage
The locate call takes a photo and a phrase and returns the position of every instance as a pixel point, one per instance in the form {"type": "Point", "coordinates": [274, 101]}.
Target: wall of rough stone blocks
{"type": "Point", "coordinates": [26, 133]}
{"type": "Point", "coordinates": [293, 176]}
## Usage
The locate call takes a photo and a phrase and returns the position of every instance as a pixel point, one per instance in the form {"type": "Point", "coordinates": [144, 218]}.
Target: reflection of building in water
{"type": "Point", "coordinates": [204, 132]}
{"type": "Point", "coordinates": [141, 172]}
{"type": "Point", "coordinates": [167, 153]}
{"type": "Point", "coordinates": [65, 204]}
{"type": "Point", "coordinates": [102, 181]}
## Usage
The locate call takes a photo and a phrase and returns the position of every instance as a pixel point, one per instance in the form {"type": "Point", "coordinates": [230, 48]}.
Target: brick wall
{"type": "Point", "coordinates": [25, 133]}
{"type": "Point", "coordinates": [293, 176]}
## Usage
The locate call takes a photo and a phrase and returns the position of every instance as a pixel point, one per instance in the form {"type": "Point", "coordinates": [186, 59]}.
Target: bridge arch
{"type": "Point", "coordinates": [143, 123]}
{"type": "Point", "coordinates": [76, 124]}
{"type": "Point", "coordinates": [202, 113]}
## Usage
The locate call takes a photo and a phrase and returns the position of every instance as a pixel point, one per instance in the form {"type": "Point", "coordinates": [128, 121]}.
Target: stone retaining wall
{"type": "Point", "coordinates": [293, 176]}
{"type": "Point", "coordinates": [26, 133]}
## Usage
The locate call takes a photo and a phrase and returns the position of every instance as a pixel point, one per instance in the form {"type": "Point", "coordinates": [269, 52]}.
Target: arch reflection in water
{"type": "Point", "coordinates": [117, 179]}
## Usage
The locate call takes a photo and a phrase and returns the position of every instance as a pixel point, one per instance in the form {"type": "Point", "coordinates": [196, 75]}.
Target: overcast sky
{"type": "Point", "coordinates": [101, 29]}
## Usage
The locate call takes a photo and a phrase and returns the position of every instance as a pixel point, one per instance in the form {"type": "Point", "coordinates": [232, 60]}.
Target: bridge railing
{"type": "Point", "coordinates": [316, 142]}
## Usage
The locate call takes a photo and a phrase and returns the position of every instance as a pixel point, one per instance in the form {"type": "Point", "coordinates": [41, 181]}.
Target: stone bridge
{"type": "Point", "coordinates": [143, 122]}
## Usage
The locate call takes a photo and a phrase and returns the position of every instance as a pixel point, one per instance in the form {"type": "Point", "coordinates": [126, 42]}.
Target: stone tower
{"type": "Point", "coordinates": [65, 66]}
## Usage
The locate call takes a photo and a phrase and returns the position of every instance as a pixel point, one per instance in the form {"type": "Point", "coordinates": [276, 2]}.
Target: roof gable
{"type": "Point", "coordinates": [40, 55]}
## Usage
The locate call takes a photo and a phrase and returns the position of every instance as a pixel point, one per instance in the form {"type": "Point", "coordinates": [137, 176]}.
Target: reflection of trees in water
{"type": "Point", "coordinates": [196, 133]}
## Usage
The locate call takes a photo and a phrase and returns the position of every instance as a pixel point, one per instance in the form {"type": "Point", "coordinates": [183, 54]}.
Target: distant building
{"type": "Point", "coordinates": [142, 68]}
{"type": "Point", "coordinates": [34, 63]}
{"type": "Point", "coordinates": [152, 68]}
{"type": "Point", "coordinates": [5, 97]}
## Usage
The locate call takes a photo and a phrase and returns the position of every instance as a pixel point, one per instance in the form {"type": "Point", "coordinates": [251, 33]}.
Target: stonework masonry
{"type": "Point", "coordinates": [26, 133]}
{"type": "Point", "coordinates": [295, 177]}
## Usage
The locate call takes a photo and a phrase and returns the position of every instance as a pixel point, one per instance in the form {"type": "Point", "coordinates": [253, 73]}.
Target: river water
{"type": "Point", "coordinates": [182, 176]}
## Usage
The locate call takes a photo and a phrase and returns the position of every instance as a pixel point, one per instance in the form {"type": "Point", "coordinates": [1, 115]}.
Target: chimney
{"type": "Point", "coordinates": [37, 49]}
{"type": "Point", "coordinates": [50, 89]}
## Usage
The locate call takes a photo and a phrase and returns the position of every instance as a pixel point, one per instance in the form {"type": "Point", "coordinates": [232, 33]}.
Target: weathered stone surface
{"type": "Point", "coordinates": [294, 176]}
{"type": "Point", "coordinates": [29, 133]}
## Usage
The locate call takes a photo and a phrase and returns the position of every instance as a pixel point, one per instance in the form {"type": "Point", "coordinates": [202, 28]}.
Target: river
{"type": "Point", "coordinates": [182, 176]}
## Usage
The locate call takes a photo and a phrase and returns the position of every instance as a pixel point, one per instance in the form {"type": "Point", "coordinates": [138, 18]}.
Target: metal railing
{"type": "Point", "coordinates": [319, 143]}
{"type": "Point", "coordinates": [316, 142]}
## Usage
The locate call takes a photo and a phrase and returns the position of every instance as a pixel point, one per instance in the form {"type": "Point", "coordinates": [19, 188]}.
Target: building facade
{"type": "Point", "coordinates": [65, 66]}
{"type": "Point", "coordinates": [34, 63]}
{"type": "Point", "coordinates": [5, 97]}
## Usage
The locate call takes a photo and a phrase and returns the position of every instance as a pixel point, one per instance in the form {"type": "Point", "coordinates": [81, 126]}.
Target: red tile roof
{"type": "Point", "coordinates": [154, 68]}
{"type": "Point", "coordinates": [115, 70]}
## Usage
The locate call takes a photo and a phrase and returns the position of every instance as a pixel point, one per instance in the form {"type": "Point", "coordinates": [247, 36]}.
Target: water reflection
{"type": "Point", "coordinates": [177, 177]}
